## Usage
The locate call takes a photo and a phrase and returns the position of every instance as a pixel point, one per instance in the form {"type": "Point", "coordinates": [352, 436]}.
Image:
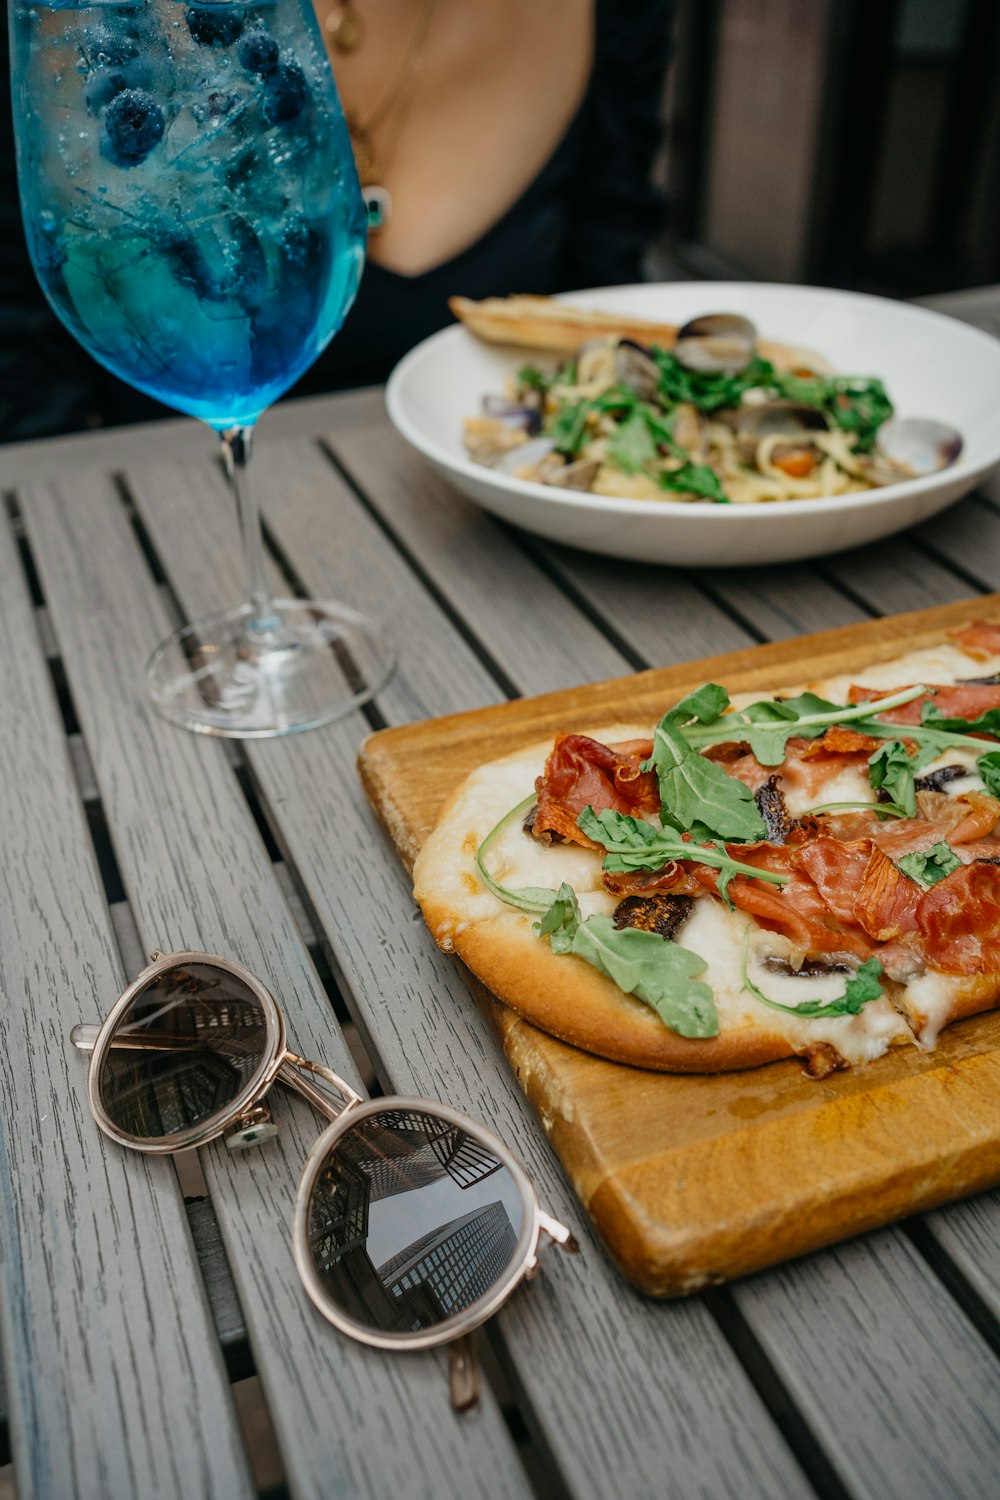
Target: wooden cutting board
{"type": "Point", "coordinates": [692, 1180]}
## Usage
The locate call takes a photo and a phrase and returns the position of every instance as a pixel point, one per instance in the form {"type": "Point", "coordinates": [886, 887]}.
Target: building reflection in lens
{"type": "Point", "coordinates": [411, 1221]}
{"type": "Point", "coordinates": [185, 1049]}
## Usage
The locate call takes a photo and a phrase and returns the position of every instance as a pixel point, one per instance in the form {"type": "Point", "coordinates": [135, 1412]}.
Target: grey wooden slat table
{"type": "Point", "coordinates": [126, 1314]}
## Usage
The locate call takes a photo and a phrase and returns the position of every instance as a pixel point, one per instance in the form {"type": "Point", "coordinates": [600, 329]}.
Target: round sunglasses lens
{"type": "Point", "coordinates": [184, 1050]}
{"type": "Point", "coordinates": [411, 1220]}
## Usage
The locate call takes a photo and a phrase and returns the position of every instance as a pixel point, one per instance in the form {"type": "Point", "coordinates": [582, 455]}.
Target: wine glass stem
{"type": "Point", "coordinates": [237, 445]}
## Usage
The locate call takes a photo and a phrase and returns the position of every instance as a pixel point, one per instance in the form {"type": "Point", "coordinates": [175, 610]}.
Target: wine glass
{"type": "Point", "coordinates": [194, 217]}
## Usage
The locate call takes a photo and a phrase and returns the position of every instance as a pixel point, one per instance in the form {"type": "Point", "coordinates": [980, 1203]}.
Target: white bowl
{"type": "Point", "coordinates": [932, 366]}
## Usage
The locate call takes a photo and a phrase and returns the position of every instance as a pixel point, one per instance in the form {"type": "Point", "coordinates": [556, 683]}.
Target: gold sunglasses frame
{"type": "Point", "coordinates": [280, 1064]}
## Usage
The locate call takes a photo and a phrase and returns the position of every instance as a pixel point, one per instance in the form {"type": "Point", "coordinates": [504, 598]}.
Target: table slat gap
{"type": "Point", "coordinates": [661, 613]}
{"type": "Point", "coordinates": [353, 565]}
{"type": "Point", "coordinates": [45, 631]}
{"type": "Point", "coordinates": [967, 538]}
{"type": "Point", "coordinates": [777, 1396]}
{"type": "Point", "coordinates": [223, 1297]}
{"type": "Point", "coordinates": [423, 576]}
{"type": "Point", "coordinates": [296, 905]}
{"type": "Point", "coordinates": [915, 572]}
{"type": "Point", "coordinates": [969, 1233]}
{"type": "Point", "coordinates": [543, 558]}
{"type": "Point", "coordinates": [120, 483]}
{"type": "Point", "coordinates": [360, 1046]}
{"type": "Point", "coordinates": [724, 604]}
{"type": "Point", "coordinates": [298, 590]}
{"type": "Point", "coordinates": [127, 936]}
{"type": "Point", "coordinates": [895, 1345]}
{"type": "Point", "coordinates": [867, 608]}
{"type": "Point", "coordinates": [493, 587]}
{"type": "Point", "coordinates": [82, 769]}
{"type": "Point", "coordinates": [780, 603]}
{"type": "Point", "coordinates": [964, 569]}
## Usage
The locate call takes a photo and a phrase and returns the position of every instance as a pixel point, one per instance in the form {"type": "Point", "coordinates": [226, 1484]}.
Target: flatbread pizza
{"type": "Point", "coordinates": [815, 873]}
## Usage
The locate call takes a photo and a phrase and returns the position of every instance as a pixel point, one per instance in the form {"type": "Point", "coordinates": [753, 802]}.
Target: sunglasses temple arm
{"type": "Point", "coordinates": [463, 1373]}
{"type": "Point", "coordinates": [558, 1234]}
{"type": "Point", "coordinates": [463, 1363]}
{"type": "Point", "coordinates": [84, 1038]}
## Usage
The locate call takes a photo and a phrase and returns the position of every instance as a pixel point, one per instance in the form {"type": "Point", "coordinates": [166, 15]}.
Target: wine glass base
{"type": "Point", "coordinates": [311, 662]}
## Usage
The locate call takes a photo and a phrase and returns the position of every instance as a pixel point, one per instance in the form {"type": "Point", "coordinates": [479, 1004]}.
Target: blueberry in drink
{"type": "Point", "coordinates": [173, 159]}
{"type": "Point", "coordinates": [194, 216]}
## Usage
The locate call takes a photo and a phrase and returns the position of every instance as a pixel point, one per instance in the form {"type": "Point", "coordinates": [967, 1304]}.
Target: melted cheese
{"type": "Point", "coordinates": [712, 930]}
{"type": "Point", "coordinates": [970, 782]}
{"type": "Point", "coordinates": [928, 1000]}
{"type": "Point", "coordinates": [516, 859]}
{"type": "Point", "coordinates": [716, 933]}
{"type": "Point", "coordinates": [932, 664]}
{"type": "Point", "coordinates": [849, 784]}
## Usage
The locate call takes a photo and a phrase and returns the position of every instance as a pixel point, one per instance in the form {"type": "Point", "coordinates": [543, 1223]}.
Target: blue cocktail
{"type": "Point", "coordinates": [194, 217]}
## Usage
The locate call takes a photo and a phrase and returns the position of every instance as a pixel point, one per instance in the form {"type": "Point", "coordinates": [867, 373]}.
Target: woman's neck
{"type": "Point", "coordinates": [490, 96]}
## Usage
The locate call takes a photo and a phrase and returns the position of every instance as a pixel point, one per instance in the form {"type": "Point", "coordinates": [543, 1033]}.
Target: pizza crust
{"type": "Point", "coordinates": [567, 997]}
{"type": "Point", "coordinates": [938, 1000]}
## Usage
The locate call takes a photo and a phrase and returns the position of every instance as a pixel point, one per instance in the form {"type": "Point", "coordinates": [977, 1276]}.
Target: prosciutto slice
{"type": "Point", "coordinates": [958, 921]}
{"type": "Point", "coordinates": [581, 772]}
{"type": "Point", "coordinates": [956, 820]}
{"type": "Point", "coordinates": [981, 639]}
{"type": "Point", "coordinates": [982, 814]}
{"type": "Point", "coordinates": [837, 870]}
{"type": "Point", "coordinates": [887, 900]}
{"type": "Point", "coordinates": [960, 700]}
{"type": "Point", "coordinates": [797, 909]}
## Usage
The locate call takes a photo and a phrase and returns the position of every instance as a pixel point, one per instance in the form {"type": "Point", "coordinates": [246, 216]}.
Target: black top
{"type": "Point", "coordinates": [584, 221]}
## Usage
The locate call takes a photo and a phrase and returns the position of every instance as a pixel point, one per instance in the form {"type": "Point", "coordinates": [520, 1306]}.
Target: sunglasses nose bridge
{"type": "Point", "coordinates": [291, 1069]}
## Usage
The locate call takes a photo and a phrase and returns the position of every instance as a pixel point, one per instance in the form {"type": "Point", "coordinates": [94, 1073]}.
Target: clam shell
{"type": "Point", "coordinates": [635, 370]}
{"type": "Point", "coordinates": [918, 445]}
{"type": "Point", "coordinates": [716, 344]}
{"type": "Point", "coordinates": [526, 456]}
{"type": "Point", "coordinates": [511, 414]}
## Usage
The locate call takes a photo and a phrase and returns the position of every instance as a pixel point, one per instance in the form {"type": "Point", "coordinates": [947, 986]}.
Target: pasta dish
{"type": "Point", "coordinates": [718, 417]}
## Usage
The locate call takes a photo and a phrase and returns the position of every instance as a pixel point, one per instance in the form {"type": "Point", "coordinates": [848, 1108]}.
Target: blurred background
{"type": "Point", "coordinates": [848, 143]}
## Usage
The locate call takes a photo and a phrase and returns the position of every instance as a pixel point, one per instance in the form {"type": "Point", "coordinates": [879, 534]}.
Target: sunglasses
{"type": "Point", "coordinates": [412, 1223]}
